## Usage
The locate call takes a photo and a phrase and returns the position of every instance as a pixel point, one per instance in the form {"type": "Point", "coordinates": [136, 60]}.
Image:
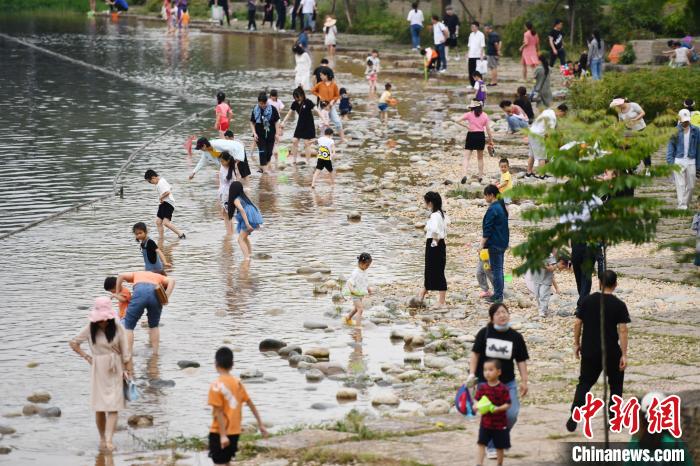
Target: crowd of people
{"type": "Point", "coordinates": [498, 348]}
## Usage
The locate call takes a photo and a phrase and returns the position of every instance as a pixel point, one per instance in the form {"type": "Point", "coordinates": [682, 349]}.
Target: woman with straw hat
{"type": "Point", "coordinates": [331, 32]}
{"type": "Point", "coordinates": [478, 126]}
{"type": "Point", "coordinates": [110, 362]}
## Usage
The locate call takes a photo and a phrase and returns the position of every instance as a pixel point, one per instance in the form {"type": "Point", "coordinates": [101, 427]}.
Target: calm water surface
{"type": "Point", "coordinates": [67, 130]}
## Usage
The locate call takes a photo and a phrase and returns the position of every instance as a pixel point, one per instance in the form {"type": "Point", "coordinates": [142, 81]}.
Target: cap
{"type": "Point", "coordinates": [684, 115]}
{"type": "Point", "coordinates": [201, 142]}
{"type": "Point", "coordinates": [474, 104]}
{"type": "Point", "coordinates": [617, 102]}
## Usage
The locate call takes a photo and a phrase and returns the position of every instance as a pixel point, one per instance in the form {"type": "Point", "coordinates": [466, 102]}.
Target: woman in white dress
{"type": "Point", "coordinates": [331, 33]}
{"type": "Point", "coordinates": [302, 68]}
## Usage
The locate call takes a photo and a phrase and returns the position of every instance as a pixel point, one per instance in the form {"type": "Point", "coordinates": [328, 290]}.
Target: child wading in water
{"type": "Point", "coordinates": [153, 258]}
{"type": "Point", "coordinates": [384, 101]}
{"type": "Point", "coordinates": [123, 297]}
{"type": "Point", "coordinates": [223, 114]}
{"type": "Point", "coordinates": [248, 217]}
{"type": "Point", "coordinates": [372, 71]}
{"type": "Point", "coordinates": [226, 397]}
{"type": "Point", "coordinates": [358, 287]}
{"type": "Point", "coordinates": [164, 216]}
{"type": "Point", "coordinates": [345, 106]}
{"type": "Point", "coordinates": [324, 117]}
{"type": "Point", "coordinates": [494, 424]}
{"type": "Point", "coordinates": [326, 152]}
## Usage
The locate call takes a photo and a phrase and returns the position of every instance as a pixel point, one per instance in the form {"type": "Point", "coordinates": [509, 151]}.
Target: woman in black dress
{"type": "Point", "coordinates": [306, 128]}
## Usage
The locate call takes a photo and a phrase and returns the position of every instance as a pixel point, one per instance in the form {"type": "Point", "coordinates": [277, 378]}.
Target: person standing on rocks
{"type": "Point", "coordinates": [327, 90]}
{"type": "Point", "coordinates": [495, 238]}
{"type": "Point", "coordinates": [587, 344]}
{"type": "Point", "coordinates": [451, 20]}
{"type": "Point", "coordinates": [307, 8]}
{"type": "Point", "coordinates": [596, 55]}
{"type": "Point", "coordinates": [542, 91]}
{"type": "Point", "coordinates": [110, 363]}
{"type": "Point", "coordinates": [281, 7]}
{"type": "Point", "coordinates": [476, 46]}
{"type": "Point", "coordinates": [556, 44]}
{"type": "Point", "coordinates": [478, 127]}
{"type": "Point", "coordinates": [302, 68]}
{"type": "Point", "coordinates": [539, 131]}
{"type": "Point", "coordinates": [632, 114]}
{"type": "Point", "coordinates": [493, 53]}
{"type": "Point", "coordinates": [499, 341]}
{"type": "Point", "coordinates": [306, 128]}
{"type": "Point", "coordinates": [415, 19]}
{"type": "Point", "coordinates": [684, 152]}
{"type": "Point", "coordinates": [435, 249]}
{"type": "Point", "coordinates": [440, 35]}
{"type": "Point", "coordinates": [530, 49]}
{"type": "Point", "coordinates": [264, 123]}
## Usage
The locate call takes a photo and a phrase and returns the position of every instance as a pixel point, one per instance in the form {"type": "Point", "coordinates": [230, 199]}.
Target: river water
{"type": "Point", "coordinates": [66, 131]}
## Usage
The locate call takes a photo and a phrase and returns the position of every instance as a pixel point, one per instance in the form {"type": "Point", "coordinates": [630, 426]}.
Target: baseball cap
{"type": "Point", "coordinates": [684, 115]}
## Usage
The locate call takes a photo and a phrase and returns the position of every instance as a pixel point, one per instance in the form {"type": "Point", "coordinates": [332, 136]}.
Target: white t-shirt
{"type": "Point", "coordinates": [476, 44]}
{"type": "Point", "coordinates": [359, 282]}
{"type": "Point", "coordinates": [634, 111]}
{"type": "Point", "coordinates": [415, 17]}
{"type": "Point", "coordinates": [163, 187]}
{"type": "Point", "coordinates": [224, 184]}
{"type": "Point", "coordinates": [686, 143]}
{"type": "Point", "coordinates": [307, 6]}
{"type": "Point", "coordinates": [439, 30]}
{"type": "Point", "coordinates": [546, 120]}
{"type": "Point", "coordinates": [233, 147]}
{"type": "Point", "coordinates": [436, 224]}
{"type": "Point", "coordinates": [277, 104]}
{"type": "Point", "coordinates": [325, 147]}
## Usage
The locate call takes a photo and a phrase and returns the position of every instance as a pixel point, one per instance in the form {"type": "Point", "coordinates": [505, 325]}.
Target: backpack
{"type": "Point", "coordinates": [464, 401]}
{"type": "Point", "coordinates": [695, 118]}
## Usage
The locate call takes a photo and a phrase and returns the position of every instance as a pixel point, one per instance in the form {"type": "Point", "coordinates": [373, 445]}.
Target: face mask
{"type": "Point", "coordinates": [502, 328]}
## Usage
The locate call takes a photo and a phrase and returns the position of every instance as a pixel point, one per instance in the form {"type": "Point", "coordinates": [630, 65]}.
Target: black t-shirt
{"type": "Point", "coordinates": [151, 247]}
{"type": "Point", "coordinates": [506, 346]}
{"type": "Point", "coordinates": [260, 128]}
{"type": "Point", "coordinates": [451, 21]}
{"type": "Point", "coordinates": [526, 105]}
{"type": "Point", "coordinates": [305, 129]}
{"type": "Point", "coordinates": [557, 38]}
{"type": "Point", "coordinates": [589, 312]}
{"type": "Point", "coordinates": [491, 40]}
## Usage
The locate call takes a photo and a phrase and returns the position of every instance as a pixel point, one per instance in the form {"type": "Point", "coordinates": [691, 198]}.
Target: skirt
{"type": "Point", "coordinates": [254, 218]}
{"type": "Point", "coordinates": [476, 140]}
{"type": "Point", "coordinates": [435, 260]}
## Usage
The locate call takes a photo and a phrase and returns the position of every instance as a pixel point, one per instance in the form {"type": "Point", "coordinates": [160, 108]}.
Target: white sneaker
{"type": "Point", "coordinates": [442, 70]}
{"type": "Point", "coordinates": [491, 454]}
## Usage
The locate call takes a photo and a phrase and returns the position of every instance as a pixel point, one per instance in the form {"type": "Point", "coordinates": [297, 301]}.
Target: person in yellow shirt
{"type": "Point", "coordinates": [226, 397]}
{"type": "Point", "coordinates": [506, 182]}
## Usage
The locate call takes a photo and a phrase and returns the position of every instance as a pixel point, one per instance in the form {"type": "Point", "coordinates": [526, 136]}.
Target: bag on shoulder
{"type": "Point", "coordinates": [161, 294]}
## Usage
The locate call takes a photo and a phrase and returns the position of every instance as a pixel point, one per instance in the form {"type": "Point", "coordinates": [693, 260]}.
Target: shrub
{"type": "Point", "coordinates": [628, 56]}
{"type": "Point", "coordinates": [656, 90]}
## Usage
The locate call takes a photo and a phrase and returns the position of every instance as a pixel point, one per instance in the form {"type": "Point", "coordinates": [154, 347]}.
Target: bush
{"type": "Point", "coordinates": [628, 56]}
{"type": "Point", "coordinates": [656, 90]}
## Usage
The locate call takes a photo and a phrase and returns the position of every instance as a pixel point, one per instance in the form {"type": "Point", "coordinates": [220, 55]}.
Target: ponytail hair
{"type": "Point", "coordinates": [531, 28]}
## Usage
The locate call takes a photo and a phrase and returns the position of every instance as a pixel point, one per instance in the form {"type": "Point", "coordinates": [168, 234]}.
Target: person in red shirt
{"type": "Point", "coordinates": [494, 423]}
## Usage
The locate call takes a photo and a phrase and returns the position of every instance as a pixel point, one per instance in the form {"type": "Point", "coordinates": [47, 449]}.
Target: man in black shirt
{"type": "Point", "coordinates": [451, 20]}
{"type": "Point", "coordinates": [616, 318]}
{"type": "Point", "coordinates": [493, 52]}
{"type": "Point", "coordinates": [556, 44]}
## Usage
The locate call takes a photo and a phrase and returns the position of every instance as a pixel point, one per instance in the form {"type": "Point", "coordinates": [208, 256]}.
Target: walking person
{"type": "Point", "coordinates": [495, 238]}
{"type": "Point", "coordinates": [251, 16]}
{"type": "Point", "coordinates": [223, 113]}
{"type": "Point", "coordinates": [440, 35]}
{"type": "Point", "coordinates": [415, 20]}
{"type": "Point", "coordinates": [451, 20]}
{"type": "Point", "coordinates": [684, 151]}
{"type": "Point", "coordinates": [306, 128]}
{"type": "Point", "coordinates": [542, 90]}
{"type": "Point", "coordinates": [166, 205]}
{"type": "Point", "coordinates": [632, 114]}
{"type": "Point", "coordinates": [596, 55]}
{"type": "Point", "coordinates": [110, 364]}
{"type": "Point", "coordinates": [435, 249]}
{"type": "Point", "coordinates": [587, 341]}
{"type": "Point", "coordinates": [330, 32]}
{"type": "Point", "coordinates": [478, 128]}
{"type": "Point", "coordinates": [302, 68]}
{"type": "Point", "coordinates": [497, 340]}
{"type": "Point", "coordinates": [295, 14]}
{"type": "Point", "coordinates": [281, 7]}
{"type": "Point", "coordinates": [530, 50]}
{"type": "Point", "coordinates": [476, 47]}
{"type": "Point", "coordinates": [307, 8]}
{"type": "Point", "coordinates": [540, 129]}
{"type": "Point", "coordinates": [248, 217]}
{"type": "Point", "coordinates": [327, 90]}
{"type": "Point", "coordinates": [268, 15]}
{"type": "Point", "coordinates": [493, 53]}
{"type": "Point", "coordinates": [264, 122]}
{"type": "Point", "coordinates": [556, 44]}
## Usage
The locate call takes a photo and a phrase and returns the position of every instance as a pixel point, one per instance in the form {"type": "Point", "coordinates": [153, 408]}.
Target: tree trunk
{"type": "Point", "coordinates": [333, 7]}
{"type": "Point", "coordinates": [348, 13]}
{"type": "Point", "coordinates": [572, 20]}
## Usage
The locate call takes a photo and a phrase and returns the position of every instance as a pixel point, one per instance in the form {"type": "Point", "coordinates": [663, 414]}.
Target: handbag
{"type": "Point", "coordinates": [131, 391]}
{"type": "Point", "coordinates": [217, 13]}
{"type": "Point", "coordinates": [161, 294]}
{"type": "Point", "coordinates": [482, 66]}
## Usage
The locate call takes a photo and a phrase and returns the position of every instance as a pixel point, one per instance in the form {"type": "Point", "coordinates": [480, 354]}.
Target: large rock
{"type": "Point", "coordinates": [437, 407]}
{"type": "Point", "coordinates": [270, 344]}
{"type": "Point", "coordinates": [408, 375]}
{"type": "Point", "coordinates": [412, 358]}
{"type": "Point", "coordinates": [322, 406]}
{"type": "Point", "coordinates": [354, 216]}
{"type": "Point", "coordinates": [140, 420]}
{"type": "Point", "coordinates": [39, 397]}
{"type": "Point", "coordinates": [6, 430]}
{"type": "Point", "coordinates": [161, 383]}
{"type": "Point", "coordinates": [5, 450]}
{"type": "Point", "coordinates": [53, 411]}
{"type": "Point", "coordinates": [251, 374]}
{"type": "Point", "coordinates": [414, 340]}
{"type": "Point", "coordinates": [314, 375]}
{"type": "Point", "coordinates": [315, 325]}
{"type": "Point", "coordinates": [386, 398]}
{"type": "Point", "coordinates": [184, 364]}
{"type": "Point", "coordinates": [318, 352]}
{"type": "Point", "coordinates": [397, 334]}
{"type": "Point", "coordinates": [415, 303]}
{"type": "Point", "coordinates": [30, 410]}
{"type": "Point", "coordinates": [330, 368]}
{"type": "Point", "coordinates": [346, 394]}
{"type": "Point", "coordinates": [437, 362]}
{"type": "Point", "coordinates": [286, 350]}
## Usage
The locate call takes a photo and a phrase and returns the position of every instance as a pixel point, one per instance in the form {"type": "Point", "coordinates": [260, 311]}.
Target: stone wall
{"type": "Point", "coordinates": [690, 413]}
{"type": "Point", "coordinates": [650, 51]}
{"type": "Point", "coordinates": [498, 12]}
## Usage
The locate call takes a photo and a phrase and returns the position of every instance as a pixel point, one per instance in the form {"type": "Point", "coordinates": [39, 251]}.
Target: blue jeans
{"type": "Point", "coordinates": [143, 298]}
{"type": "Point", "coordinates": [515, 124]}
{"type": "Point", "coordinates": [496, 260]}
{"type": "Point", "coordinates": [415, 35]}
{"type": "Point", "coordinates": [309, 21]}
{"type": "Point", "coordinates": [441, 61]}
{"type": "Point", "coordinates": [597, 68]}
{"type": "Point", "coordinates": [512, 413]}
{"type": "Point", "coordinates": [335, 118]}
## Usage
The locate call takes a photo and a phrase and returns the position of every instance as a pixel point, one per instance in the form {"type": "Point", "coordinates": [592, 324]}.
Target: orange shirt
{"type": "Point", "coordinates": [126, 294]}
{"type": "Point", "coordinates": [149, 277]}
{"type": "Point", "coordinates": [228, 394]}
{"type": "Point", "coordinates": [326, 91]}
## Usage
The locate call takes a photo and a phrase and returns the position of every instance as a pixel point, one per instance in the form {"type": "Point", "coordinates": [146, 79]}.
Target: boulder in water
{"type": "Point", "coordinates": [270, 344]}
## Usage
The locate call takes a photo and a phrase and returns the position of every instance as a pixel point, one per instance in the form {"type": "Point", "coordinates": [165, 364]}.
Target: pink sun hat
{"type": "Point", "coordinates": [102, 310]}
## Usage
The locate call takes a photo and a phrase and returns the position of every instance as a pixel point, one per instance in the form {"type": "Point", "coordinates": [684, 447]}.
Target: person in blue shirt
{"type": "Point", "coordinates": [683, 151]}
{"type": "Point", "coordinates": [303, 38]}
{"type": "Point", "coordinates": [495, 237]}
{"type": "Point", "coordinates": [118, 5]}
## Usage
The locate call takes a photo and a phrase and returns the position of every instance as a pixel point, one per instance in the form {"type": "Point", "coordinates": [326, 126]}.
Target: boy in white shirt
{"type": "Point", "coordinates": [326, 151]}
{"type": "Point", "coordinates": [440, 35]}
{"type": "Point", "coordinates": [357, 287]}
{"type": "Point", "coordinates": [167, 203]}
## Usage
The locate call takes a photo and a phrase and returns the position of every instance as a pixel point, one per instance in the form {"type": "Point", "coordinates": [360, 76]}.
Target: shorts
{"type": "Point", "coordinates": [223, 124]}
{"type": "Point", "coordinates": [345, 111]}
{"type": "Point", "coordinates": [322, 163]}
{"type": "Point", "coordinates": [501, 438]}
{"type": "Point", "coordinates": [476, 140]}
{"type": "Point", "coordinates": [372, 77]}
{"type": "Point", "coordinates": [219, 455]}
{"type": "Point", "coordinates": [383, 107]}
{"type": "Point", "coordinates": [143, 298]}
{"type": "Point", "coordinates": [451, 42]}
{"type": "Point", "coordinates": [165, 210]}
{"type": "Point", "coordinates": [536, 148]}
{"type": "Point", "coordinates": [492, 61]}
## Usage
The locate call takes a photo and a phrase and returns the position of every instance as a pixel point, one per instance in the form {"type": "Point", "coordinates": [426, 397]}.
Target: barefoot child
{"type": "Point", "coordinates": [326, 152]}
{"type": "Point", "coordinates": [164, 216]}
{"type": "Point", "coordinates": [494, 425]}
{"type": "Point", "coordinates": [506, 182]}
{"type": "Point", "coordinates": [153, 258]}
{"type": "Point", "coordinates": [226, 397]}
{"type": "Point", "coordinates": [223, 114]}
{"type": "Point", "coordinates": [345, 106]}
{"type": "Point", "coordinates": [248, 217]}
{"type": "Point", "coordinates": [372, 71]}
{"type": "Point", "coordinates": [123, 297]}
{"type": "Point", "coordinates": [384, 101]}
{"type": "Point", "coordinates": [325, 117]}
{"type": "Point", "coordinates": [358, 287]}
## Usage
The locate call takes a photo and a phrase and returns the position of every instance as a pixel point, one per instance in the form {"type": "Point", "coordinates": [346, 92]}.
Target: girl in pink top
{"type": "Point", "coordinates": [223, 114]}
{"type": "Point", "coordinates": [530, 49]}
{"type": "Point", "coordinates": [479, 126]}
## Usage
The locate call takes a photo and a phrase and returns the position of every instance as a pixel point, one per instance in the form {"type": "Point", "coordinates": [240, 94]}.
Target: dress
{"type": "Point", "coordinates": [435, 256]}
{"type": "Point", "coordinates": [306, 128]}
{"type": "Point", "coordinates": [542, 85]}
{"type": "Point", "coordinates": [331, 34]}
{"type": "Point", "coordinates": [254, 216]}
{"type": "Point", "coordinates": [106, 375]}
{"type": "Point", "coordinates": [303, 71]}
{"type": "Point", "coordinates": [224, 185]}
{"type": "Point", "coordinates": [529, 54]}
